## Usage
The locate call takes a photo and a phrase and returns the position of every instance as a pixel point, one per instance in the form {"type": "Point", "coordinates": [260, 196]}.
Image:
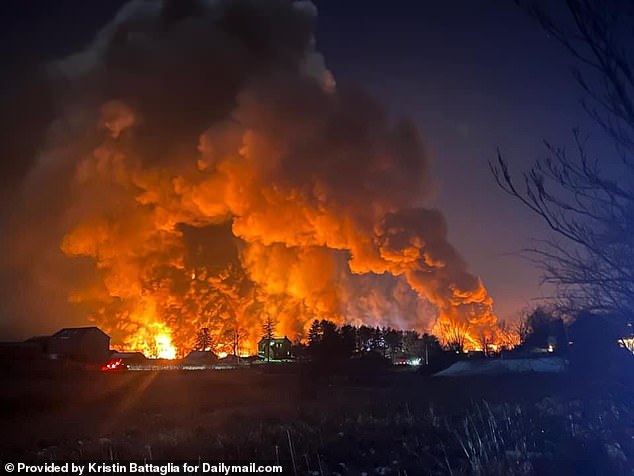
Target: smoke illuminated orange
{"type": "Point", "coordinates": [247, 186]}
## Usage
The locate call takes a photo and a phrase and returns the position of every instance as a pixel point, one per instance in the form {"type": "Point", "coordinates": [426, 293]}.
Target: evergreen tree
{"type": "Point", "coordinates": [393, 342]}
{"type": "Point", "coordinates": [378, 341]}
{"type": "Point", "coordinates": [412, 343]}
{"type": "Point", "coordinates": [204, 341]}
{"type": "Point", "coordinates": [364, 338]}
{"type": "Point", "coordinates": [314, 334]}
{"type": "Point", "coordinates": [328, 330]}
{"type": "Point", "coordinates": [330, 339]}
{"type": "Point", "coordinates": [348, 339]}
{"type": "Point", "coordinates": [268, 333]}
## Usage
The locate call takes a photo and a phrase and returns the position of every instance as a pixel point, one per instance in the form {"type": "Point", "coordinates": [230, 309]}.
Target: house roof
{"type": "Point", "coordinates": [275, 339]}
{"type": "Point", "coordinates": [69, 332]}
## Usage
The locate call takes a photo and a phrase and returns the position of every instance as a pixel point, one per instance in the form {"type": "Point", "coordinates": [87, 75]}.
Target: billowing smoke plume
{"type": "Point", "coordinates": [204, 170]}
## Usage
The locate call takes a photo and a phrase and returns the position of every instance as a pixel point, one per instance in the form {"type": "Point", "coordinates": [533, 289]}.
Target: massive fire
{"type": "Point", "coordinates": [218, 176]}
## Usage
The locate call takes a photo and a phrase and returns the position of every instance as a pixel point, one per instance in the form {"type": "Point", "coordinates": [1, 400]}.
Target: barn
{"type": "Point", "coordinates": [84, 344]}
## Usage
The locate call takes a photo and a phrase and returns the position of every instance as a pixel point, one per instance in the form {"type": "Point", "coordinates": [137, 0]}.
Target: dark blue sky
{"type": "Point", "coordinates": [474, 75]}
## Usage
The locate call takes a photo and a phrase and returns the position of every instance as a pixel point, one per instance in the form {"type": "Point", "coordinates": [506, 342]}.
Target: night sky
{"type": "Point", "coordinates": [474, 75]}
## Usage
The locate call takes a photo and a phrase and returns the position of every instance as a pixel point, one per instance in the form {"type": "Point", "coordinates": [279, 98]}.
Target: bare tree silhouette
{"type": "Point", "coordinates": [586, 200]}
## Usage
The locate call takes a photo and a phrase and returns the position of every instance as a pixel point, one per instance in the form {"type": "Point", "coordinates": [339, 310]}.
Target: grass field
{"type": "Point", "coordinates": [390, 422]}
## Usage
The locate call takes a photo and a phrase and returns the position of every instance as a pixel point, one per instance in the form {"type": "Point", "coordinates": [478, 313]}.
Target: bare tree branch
{"type": "Point", "coordinates": [590, 213]}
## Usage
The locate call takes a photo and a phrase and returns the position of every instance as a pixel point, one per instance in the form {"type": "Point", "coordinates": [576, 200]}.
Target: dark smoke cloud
{"type": "Point", "coordinates": [200, 150]}
{"type": "Point", "coordinates": [178, 63]}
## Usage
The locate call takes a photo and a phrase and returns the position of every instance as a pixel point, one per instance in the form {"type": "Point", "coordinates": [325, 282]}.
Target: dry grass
{"type": "Point", "coordinates": [394, 423]}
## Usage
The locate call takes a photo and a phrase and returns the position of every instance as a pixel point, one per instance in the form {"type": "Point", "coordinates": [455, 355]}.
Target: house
{"type": "Point", "coordinates": [274, 349]}
{"type": "Point", "coordinates": [85, 344]}
{"type": "Point", "coordinates": [200, 357]}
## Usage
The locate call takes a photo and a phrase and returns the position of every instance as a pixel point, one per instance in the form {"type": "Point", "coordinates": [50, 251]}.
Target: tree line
{"type": "Point", "coordinates": [327, 340]}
